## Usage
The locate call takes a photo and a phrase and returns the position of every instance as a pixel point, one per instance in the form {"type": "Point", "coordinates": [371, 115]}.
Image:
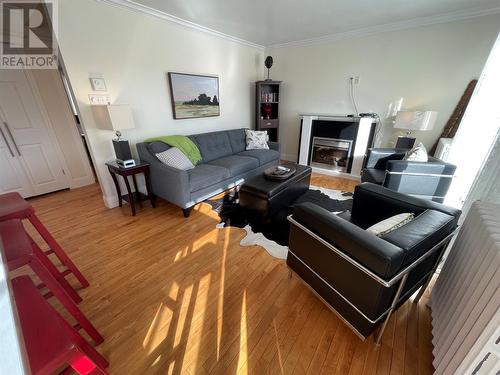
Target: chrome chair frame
{"type": "Point", "coordinates": [430, 197]}
{"type": "Point", "coordinates": [400, 277]}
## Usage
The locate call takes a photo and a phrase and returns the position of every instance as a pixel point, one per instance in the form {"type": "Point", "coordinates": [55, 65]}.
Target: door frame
{"type": "Point", "coordinates": [71, 92]}
{"type": "Point", "coordinates": [80, 134]}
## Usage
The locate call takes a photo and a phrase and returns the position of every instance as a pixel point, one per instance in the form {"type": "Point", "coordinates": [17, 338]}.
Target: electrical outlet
{"type": "Point", "coordinates": [99, 99]}
{"type": "Point", "coordinates": [354, 79]}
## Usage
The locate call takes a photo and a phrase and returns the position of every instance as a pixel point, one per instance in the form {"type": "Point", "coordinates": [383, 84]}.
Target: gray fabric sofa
{"type": "Point", "coordinates": [225, 163]}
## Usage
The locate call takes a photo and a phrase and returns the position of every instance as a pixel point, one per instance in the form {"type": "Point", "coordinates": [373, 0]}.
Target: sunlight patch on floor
{"type": "Point", "coordinates": [243, 354]}
{"type": "Point", "coordinates": [171, 367]}
{"type": "Point", "coordinates": [220, 302]}
{"type": "Point", "coordinates": [174, 291]}
{"type": "Point", "coordinates": [280, 357]}
{"type": "Point", "coordinates": [195, 334]}
{"type": "Point", "coordinates": [158, 329]}
{"type": "Point", "coordinates": [180, 254]}
{"type": "Point", "coordinates": [181, 320]}
{"type": "Point", "coordinates": [199, 242]}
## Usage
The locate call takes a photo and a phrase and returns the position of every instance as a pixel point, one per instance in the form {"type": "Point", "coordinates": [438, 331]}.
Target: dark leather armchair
{"type": "Point", "coordinates": [428, 180]}
{"type": "Point", "coordinates": [362, 277]}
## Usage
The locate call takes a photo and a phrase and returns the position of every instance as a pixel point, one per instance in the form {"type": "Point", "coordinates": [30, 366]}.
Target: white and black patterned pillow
{"type": "Point", "coordinates": [175, 158]}
{"type": "Point", "coordinates": [388, 225]}
{"type": "Point", "coordinates": [417, 153]}
{"type": "Point", "coordinates": [257, 140]}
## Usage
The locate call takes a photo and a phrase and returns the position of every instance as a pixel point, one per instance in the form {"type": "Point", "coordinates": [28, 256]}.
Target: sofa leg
{"type": "Point", "coordinates": [187, 211]}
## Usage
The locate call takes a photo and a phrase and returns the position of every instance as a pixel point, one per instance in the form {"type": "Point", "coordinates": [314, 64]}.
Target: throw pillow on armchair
{"type": "Point", "coordinates": [417, 153]}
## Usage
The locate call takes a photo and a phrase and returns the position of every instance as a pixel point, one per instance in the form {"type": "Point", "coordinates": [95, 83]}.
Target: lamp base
{"type": "Point", "coordinates": [122, 149]}
{"type": "Point", "coordinates": [405, 142]}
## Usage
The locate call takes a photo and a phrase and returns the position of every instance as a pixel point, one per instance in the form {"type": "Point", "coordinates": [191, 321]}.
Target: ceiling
{"type": "Point", "coordinates": [269, 22]}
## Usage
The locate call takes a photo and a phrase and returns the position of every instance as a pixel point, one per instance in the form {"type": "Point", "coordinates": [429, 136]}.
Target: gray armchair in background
{"type": "Point", "coordinates": [428, 180]}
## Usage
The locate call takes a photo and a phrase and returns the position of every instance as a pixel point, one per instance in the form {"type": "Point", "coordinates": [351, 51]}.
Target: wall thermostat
{"type": "Point", "coordinates": [98, 84]}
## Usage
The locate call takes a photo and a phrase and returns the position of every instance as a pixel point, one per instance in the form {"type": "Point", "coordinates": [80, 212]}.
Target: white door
{"type": "Point", "coordinates": [31, 161]}
{"type": "Point", "coordinates": [12, 176]}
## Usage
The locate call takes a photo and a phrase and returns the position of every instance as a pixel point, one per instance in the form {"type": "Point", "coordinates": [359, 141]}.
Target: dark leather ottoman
{"type": "Point", "coordinates": [267, 197]}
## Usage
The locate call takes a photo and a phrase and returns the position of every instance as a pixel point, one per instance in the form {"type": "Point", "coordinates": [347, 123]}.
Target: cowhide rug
{"type": "Point", "coordinates": [273, 236]}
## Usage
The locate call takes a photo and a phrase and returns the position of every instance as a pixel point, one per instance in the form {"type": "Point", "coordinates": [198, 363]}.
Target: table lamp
{"type": "Point", "coordinates": [116, 117]}
{"type": "Point", "coordinates": [411, 121]}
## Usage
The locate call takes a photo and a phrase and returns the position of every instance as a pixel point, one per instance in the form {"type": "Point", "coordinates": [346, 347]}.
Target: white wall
{"type": "Point", "coordinates": [429, 67]}
{"type": "Point", "coordinates": [133, 52]}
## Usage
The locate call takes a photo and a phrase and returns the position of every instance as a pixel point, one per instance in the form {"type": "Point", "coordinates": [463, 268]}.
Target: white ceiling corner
{"type": "Point", "coordinates": [286, 23]}
{"type": "Point", "coordinates": [137, 7]}
{"type": "Point", "coordinates": [400, 25]}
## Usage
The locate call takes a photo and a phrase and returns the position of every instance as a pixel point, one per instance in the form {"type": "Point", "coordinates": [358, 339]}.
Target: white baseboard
{"type": "Point", "coordinates": [81, 182]}
{"type": "Point", "coordinates": [110, 201]}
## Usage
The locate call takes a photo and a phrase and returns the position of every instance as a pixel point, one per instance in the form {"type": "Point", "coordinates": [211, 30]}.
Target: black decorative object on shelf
{"type": "Point", "coordinates": [268, 63]}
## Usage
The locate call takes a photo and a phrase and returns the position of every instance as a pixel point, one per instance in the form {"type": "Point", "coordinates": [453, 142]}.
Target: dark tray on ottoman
{"type": "Point", "coordinates": [267, 197]}
{"type": "Point", "coordinates": [273, 173]}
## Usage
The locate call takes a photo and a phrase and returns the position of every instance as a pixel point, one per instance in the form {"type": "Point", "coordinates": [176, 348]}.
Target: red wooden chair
{"type": "Point", "coordinates": [20, 251]}
{"type": "Point", "coordinates": [49, 340]}
{"type": "Point", "coordinates": [13, 206]}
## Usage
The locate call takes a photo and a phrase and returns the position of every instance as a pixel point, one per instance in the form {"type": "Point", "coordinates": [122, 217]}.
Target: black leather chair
{"type": "Point", "coordinates": [428, 180]}
{"type": "Point", "coordinates": [362, 277]}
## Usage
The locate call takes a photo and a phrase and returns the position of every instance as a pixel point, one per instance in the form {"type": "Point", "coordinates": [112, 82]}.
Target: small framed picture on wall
{"type": "Point", "coordinates": [193, 95]}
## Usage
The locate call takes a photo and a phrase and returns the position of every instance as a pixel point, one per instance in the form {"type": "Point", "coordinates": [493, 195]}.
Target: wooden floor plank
{"type": "Point", "coordinates": [323, 347]}
{"type": "Point", "coordinates": [334, 352]}
{"type": "Point", "coordinates": [180, 296]}
{"type": "Point", "coordinates": [311, 344]}
{"type": "Point", "coordinates": [359, 357]}
{"type": "Point", "coordinates": [411, 346]}
{"type": "Point", "coordinates": [293, 357]}
{"type": "Point", "coordinates": [260, 356]}
{"type": "Point", "coordinates": [424, 337]}
{"type": "Point", "coordinates": [386, 348]}
{"type": "Point", "coordinates": [346, 356]}
{"type": "Point", "coordinates": [371, 360]}
{"type": "Point", "coordinates": [399, 346]}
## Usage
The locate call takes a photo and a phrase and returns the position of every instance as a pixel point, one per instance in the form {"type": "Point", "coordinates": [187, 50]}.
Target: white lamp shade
{"type": "Point", "coordinates": [113, 117]}
{"type": "Point", "coordinates": [415, 120]}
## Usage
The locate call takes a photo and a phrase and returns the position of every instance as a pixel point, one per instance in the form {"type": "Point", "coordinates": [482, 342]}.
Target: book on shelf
{"type": "Point", "coordinates": [269, 97]}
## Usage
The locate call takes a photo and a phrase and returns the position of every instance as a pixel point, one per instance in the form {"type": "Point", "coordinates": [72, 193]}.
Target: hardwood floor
{"type": "Point", "coordinates": [179, 296]}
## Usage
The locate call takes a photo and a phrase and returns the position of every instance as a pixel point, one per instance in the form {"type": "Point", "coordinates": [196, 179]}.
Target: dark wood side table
{"type": "Point", "coordinates": [140, 167]}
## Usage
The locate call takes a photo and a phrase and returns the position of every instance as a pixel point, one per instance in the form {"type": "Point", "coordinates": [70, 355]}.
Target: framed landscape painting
{"type": "Point", "coordinates": [193, 95]}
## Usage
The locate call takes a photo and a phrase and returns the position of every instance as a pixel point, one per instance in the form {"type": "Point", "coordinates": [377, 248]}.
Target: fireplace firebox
{"type": "Point", "coordinates": [331, 153]}
{"type": "Point", "coordinates": [340, 143]}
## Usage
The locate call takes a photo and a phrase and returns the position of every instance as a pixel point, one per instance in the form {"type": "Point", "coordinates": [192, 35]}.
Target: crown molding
{"type": "Point", "coordinates": [395, 26]}
{"type": "Point", "coordinates": [357, 33]}
{"type": "Point", "coordinates": [139, 8]}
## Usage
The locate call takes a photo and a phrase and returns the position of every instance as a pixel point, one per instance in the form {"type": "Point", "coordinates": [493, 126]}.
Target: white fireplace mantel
{"type": "Point", "coordinates": [361, 144]}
